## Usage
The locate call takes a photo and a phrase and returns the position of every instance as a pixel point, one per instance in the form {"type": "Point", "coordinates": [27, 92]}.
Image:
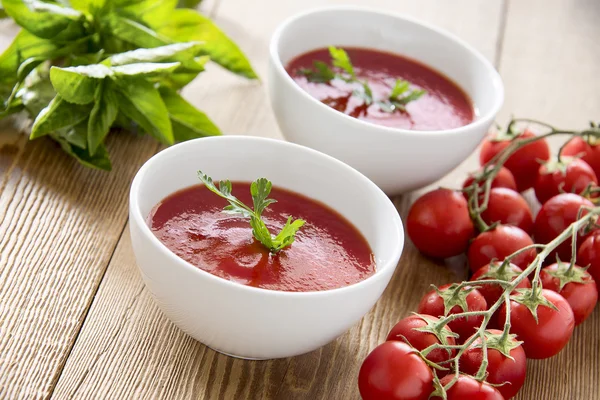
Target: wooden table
{"type": "Point", "coordinates": [75, 318]}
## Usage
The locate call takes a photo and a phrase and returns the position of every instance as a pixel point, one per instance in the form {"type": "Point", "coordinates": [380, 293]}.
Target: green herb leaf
{"type": "Point", "coordinates": [100, 160]}
{"type": "Point", "coordinates": [36, 92]}
{"type": "Point", "coordinates": [187, 121]}
{"type": "Point", "coordinates": [341, 60]}
{"type": "Point", "coordinates": [132, 31]}
{"type": "Point", "coordinates": [97, 71]}
{"type": "Point", "coordinates": [287, 235]}
{"type": "Point", "coordinates": [145, 69]}
{"type": "Point", "coordinates": [189, 25]}
{"type": "Point", "coordinates": [140, 101]}
{"type": "Point", "coordinates": [24, 46]}
{"type": "Point", "coordinates": [91, 6]}
{"type": "Point", "coordinates": [321, 74]}
{"type": "Point", "coordinates": [45, 20]}
{"type": "Point", "coordinates": [150, 10]}
{"type": "Point", "coordinates": [75, 135]}
{"type": "Point", "coordinates": [260, 190]}
{"type": "Point", "coordinates": [73, 86]}
{"type": "Point", "coordinates": [102, 116]}
{"type": "Point", "coordinates": [58, 114]}
{"type": "Point", "coordinates": [189, 3]}
{"type": "Point", "coordinates": [186, 50]}
{"type": "Point", "coordinates": [400, 87]}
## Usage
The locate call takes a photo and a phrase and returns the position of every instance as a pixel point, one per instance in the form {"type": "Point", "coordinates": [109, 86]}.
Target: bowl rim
{"type": "Point", "coordinates": [135, 214]}
{"type": "Point", "coordinates": [482, 120]}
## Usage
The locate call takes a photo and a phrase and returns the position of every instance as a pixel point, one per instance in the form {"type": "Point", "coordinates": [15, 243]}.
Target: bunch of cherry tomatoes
{"type": "Point", "coordinates": [533, 278]}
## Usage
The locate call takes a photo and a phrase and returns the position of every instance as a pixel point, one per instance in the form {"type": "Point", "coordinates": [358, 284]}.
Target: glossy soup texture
{"type": "Point", "coordinates": [328, 252]}
{"type": "Point", "coordinates": [444, 106]}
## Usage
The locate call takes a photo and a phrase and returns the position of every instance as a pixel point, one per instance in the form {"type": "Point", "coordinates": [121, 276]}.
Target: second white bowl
{"type": "Point", "coordinates": [395, 159]}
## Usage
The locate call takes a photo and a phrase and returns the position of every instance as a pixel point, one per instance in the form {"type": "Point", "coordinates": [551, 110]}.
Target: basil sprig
{"type": "Point", "coordinates": [80, 68]}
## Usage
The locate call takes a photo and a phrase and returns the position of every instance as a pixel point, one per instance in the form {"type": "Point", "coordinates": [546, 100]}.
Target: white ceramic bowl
{"type": "Point", "coordinates": [244, 321]}
{"type": "Point", "coordinates": [395, 159]}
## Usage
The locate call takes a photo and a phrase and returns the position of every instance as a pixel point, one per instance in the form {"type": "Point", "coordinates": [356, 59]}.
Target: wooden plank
{"type": "Point", "coordinates": [59, 225]}
{"type": "Point", "coordinates": [128, 349]}
{"type": "Point", "coordinates": [550, 66]}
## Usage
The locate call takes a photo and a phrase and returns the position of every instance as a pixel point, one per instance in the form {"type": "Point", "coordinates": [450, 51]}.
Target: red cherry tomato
{"type": "Point", "coordinates": [550, 334]}
{"type": "Point", "coordinates": [590, 154]}
{"type": "Point", "coordinates": [439, 224]}
{"type": "Point", "coordinates": [393, 371]}
{"type": "Point", "coordinates": [589, 254]}
{"type": "Point", "coordinates": [499, 243]}
{"type": "Point", "coordinates": [406, 330]}
{"type": "Point", "coordinates": [554, 217]}
{"type": "Point", "coordinates": [509, 208]}
{"type": "Point", "coordinates": [504, 179]}
{"type": "Point", "coordinates": [467, 388]}
{"type": "Point", "coordinates": [433, 304]}
{"type": "Point", "coordinates": [510, 374]}
{"type": "Point", "coordinates": [492, 293]}
{"type": "Point", "coordinates": [552, 180]}
{"type": "Point", "coordinates": [581, 296]}
{"type": "Point", "coordinates": [523, 163]}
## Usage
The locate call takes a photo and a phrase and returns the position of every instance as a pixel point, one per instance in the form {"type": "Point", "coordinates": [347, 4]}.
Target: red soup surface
{"type": "Point", "coordinates": [444, 106]}
{"type": "Point", "coordinates": [328, 252]}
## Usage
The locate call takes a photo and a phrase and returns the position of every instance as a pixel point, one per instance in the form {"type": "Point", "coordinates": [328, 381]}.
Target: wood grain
{"type": "Point", "coordinates": [128, 349]}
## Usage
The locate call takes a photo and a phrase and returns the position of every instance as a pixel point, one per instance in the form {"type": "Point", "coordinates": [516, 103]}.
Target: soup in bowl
{"type": "Point", "coordinates": [408, 148]}
{"type": "Point", "coordinates": [194, 270]}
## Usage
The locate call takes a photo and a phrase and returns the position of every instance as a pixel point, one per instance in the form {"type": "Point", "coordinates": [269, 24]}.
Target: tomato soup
{"type": "Point", "coordinates": [328, 252]}
{"type": "Point", "coordinates": [444, 106]}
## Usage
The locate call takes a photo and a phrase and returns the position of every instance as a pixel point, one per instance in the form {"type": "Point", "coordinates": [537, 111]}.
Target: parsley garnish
{"type": "Point", "coordinates": [399, 97]}
{"type": "Point", "coordinates": [260, 190]}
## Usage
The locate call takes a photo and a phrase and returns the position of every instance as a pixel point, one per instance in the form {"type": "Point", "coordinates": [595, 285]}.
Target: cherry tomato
{"type": "Point", "coordinates": [523, 163]}
{"type": "Point", "coordinates": [589, 254]}
{"type": "Point", "coordinates": [590, 154]}
{"type": "Point", "coordinates": [433, 304]}
{"type": "Point", "coordinates": [504, 179]}
{"type": "Point", "coordinates": [439, 224]}
{"type": "Point", "coordinates": [554, 217]}
{"type": "Point", "coordinates": [509, 208]}
{"type": "Point", "coordinates": [550, 334]}
{"type": "Point", "coordinates": [393, 371]}
{"type": "Point", "coordinates": [499, 243]}
{"type": "Point", "coordinates": [571, 176]}
{"type": "Point", "coordinates": [406, 330]}
{"type": "Point", "coordinates": [467, 387]}
{"type": "Point", "coordinates": [510, 374]}
{"type": "Point", "coordinates": [492, 293]}
{"type": "Point", "coordinates": [582, 294]}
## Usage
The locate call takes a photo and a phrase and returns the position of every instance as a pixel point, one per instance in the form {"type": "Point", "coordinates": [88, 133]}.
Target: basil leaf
{"type": "Point", "coordinates": [24, 46]}
{"type": "Point", "coordinates": [99, 160]}
{"type": "Point", "coordinates": [189, 25]}
{"type": "Point", "coordinates": [188, 3]}
{"type": "Point", "coordinates": [45, 20]}
{"type": "Point", "coordinates": [72, 86]}
{"type": "Point", "coordinates": [36, 91]}
{"type": "Point", "coordinates": [102, 116]}
{"type": "Point", "coordinates": [92, 6]}
{"type": "Point", "coordinates": [140, 101]}
{"type": "Point", "coordinates": [97, 71]}
{"type": "Point", "coordinates": [188, 122]}
{"type": "Point", "coordinates": [132, 32]}
{"type": "Point", "coordinates": [182, 50]}
{"type": "Point", "coordinates": [76, 135]}
{"type": "Point", "coordinates": [150, 10]}
{"type": "Point", "coordinates": [145, 69]}
{"type": "Point", "coordinates": [58, 114]}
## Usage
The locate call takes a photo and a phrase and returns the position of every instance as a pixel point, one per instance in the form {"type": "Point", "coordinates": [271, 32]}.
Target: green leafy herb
{"type": "Point", "coordinates": [260, 190]}
{"type": "Point", "coordinates": [80, 67]}
{"type": "Point", "coordinates": [399, 97]}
